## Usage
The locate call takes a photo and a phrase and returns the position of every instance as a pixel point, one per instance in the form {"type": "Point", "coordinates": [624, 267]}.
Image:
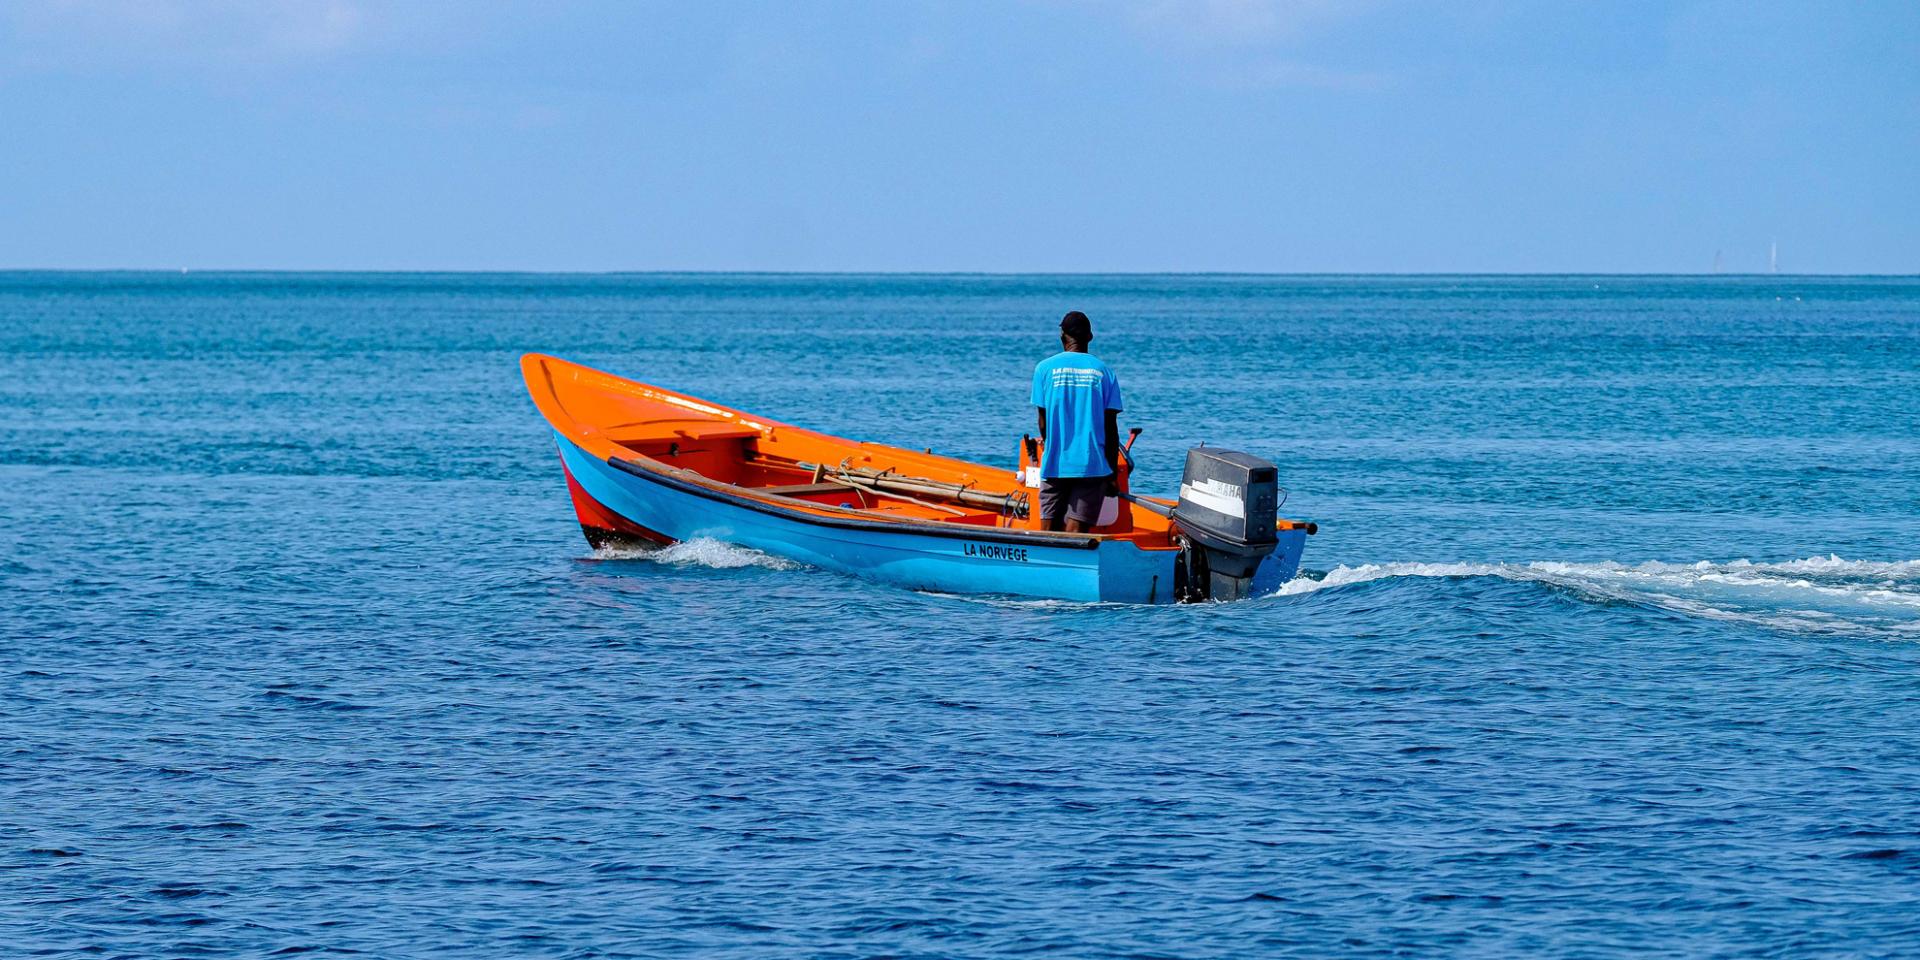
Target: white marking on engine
{"type": "Point", "coordinates": [1221, 498]}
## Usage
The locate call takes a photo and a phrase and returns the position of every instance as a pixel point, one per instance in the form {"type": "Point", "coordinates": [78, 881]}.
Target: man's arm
{"type": "Point", "coordinates": [1114, 403]}
{"type": "Point", "coordinates": [1042, 411]}
{"type": "Point", "coordinates": [1113, 450]}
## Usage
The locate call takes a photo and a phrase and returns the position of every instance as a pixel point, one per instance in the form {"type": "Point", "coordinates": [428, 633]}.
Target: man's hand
{"type": "Point", "coordinates": [1113, 484]}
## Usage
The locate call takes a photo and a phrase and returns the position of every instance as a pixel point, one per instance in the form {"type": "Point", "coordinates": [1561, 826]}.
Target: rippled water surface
{"type": "Point", "coordinates": [1608, 643]}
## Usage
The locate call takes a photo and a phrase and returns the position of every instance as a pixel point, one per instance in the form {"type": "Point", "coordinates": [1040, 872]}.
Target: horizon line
{"type": "Point", "coordinates": [336, 271]}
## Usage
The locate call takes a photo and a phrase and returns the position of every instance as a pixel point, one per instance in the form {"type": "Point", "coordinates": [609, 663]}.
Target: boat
{"type": "Point", "coordinates": [646, 465]}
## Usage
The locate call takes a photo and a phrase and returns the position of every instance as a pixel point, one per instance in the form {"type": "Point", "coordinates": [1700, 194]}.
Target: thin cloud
{"type": "Point", "coordinates": [1235, 23]}
{"type": "Point", "coordinates": [80, 33]}
{"type": "Point", "coordinates": [1247, 44]}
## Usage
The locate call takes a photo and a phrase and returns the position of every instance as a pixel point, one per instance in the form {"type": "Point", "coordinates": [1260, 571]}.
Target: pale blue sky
{"type": "Point", "coordinates": [1043, 135]}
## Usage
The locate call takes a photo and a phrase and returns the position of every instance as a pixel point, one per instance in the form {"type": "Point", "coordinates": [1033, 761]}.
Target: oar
{"type": "Point", "coordinates": [863, 484]}
{"type": "Point", "coordinates": [1006, 504]}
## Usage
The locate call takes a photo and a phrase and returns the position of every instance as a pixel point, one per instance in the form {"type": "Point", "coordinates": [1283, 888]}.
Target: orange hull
{"type": "Point", "coordinates": [758, 458]}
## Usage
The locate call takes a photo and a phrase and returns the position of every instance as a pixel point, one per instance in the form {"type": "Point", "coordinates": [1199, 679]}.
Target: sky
{"type": "Point", "coordinates": [974, 135]}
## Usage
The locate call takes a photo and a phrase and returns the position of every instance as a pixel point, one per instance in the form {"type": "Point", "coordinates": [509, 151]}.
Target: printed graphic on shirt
{"type": "Point", "coordinates": [1075, 377]}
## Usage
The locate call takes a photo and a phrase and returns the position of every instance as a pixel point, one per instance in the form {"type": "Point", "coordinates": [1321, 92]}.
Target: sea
{"type": "Point", "coordinates": [1608, 643]}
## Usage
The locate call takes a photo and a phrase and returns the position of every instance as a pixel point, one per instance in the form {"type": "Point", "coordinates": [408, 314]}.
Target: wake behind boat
{"type": "Point", "coordinates": [645, 464]}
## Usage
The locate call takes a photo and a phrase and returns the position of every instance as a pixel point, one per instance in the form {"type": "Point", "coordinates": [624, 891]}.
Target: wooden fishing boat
{"type": "Point", "coordinates": [646, 464]}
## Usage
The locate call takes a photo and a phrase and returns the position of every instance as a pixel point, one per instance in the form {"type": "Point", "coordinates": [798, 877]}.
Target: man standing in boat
{"type": "Point", "coordinates": [1078, 399]}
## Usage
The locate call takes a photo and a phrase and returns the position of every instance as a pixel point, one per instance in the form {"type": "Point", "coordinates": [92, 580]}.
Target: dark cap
{"type": "Point", "coordinates": [1077, 326]}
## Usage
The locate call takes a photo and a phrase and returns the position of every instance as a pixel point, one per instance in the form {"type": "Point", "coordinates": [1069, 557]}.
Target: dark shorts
{"type": "Point", "coordinates": [1075, 497]}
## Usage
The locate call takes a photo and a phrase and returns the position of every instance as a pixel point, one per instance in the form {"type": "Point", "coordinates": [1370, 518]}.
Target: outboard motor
{"type": "Point", "coordinates": [1228, 502]}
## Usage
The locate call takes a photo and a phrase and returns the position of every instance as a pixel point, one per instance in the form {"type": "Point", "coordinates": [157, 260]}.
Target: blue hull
{"type": "Point", "coordinates": [983, 560]}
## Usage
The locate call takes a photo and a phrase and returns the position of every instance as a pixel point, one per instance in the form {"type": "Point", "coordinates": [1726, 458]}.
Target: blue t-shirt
{"type": "Point", "coordinates": [1076, 390]}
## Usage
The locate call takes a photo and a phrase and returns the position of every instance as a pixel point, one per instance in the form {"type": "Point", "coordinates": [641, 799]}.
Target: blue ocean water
{"type": "Point", "coordinates": [1609, 643]}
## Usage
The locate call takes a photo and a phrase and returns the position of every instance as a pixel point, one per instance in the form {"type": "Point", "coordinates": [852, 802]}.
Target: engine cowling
{"type": "Point", "coordinates": [1228, 507]}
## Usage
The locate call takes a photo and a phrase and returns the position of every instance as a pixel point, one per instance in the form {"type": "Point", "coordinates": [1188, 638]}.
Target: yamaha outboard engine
{"type": "Point", "coordinates": [1227, 505]}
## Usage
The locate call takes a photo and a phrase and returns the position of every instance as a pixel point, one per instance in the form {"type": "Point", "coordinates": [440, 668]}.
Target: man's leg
{"type": "Point", "coordinates": [1083, 503]}
{"type": "Point", "coordinates": [1053, 504]}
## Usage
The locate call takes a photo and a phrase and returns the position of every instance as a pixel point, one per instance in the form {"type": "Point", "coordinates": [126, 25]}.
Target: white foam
{"type": "Point", "coordinates": [699, 552]}
{"type": "Point", "coordinates": [1820, 594]}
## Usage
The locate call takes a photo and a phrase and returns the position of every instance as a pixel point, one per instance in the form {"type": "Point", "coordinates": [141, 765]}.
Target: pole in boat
{"type": "Point", "coordinates": [1010, 504]}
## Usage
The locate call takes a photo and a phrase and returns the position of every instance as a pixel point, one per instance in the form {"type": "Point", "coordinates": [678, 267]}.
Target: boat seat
{"type": "Point", "coordinates": [715, 431]}
{"type": "Point", "coordinates": [678, 429]}
{"type": "Point", "coordinates": [803, 489]}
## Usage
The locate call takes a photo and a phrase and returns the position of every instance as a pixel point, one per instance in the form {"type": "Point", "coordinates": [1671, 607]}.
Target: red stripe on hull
{"type": "Point", "coordinates": [602, 526]}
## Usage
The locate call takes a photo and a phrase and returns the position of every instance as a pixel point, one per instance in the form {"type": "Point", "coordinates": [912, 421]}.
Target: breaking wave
{"type": "Point", "coordinates": [699, 552]}
{"type": "Point", "coordinates": [1819, 594]}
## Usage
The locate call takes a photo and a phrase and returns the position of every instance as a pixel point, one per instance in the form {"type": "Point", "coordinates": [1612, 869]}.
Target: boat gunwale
{"type": "Point", "coordinates": [593, 439]}
{"type": "Point", "coordinates": [804, 511]}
